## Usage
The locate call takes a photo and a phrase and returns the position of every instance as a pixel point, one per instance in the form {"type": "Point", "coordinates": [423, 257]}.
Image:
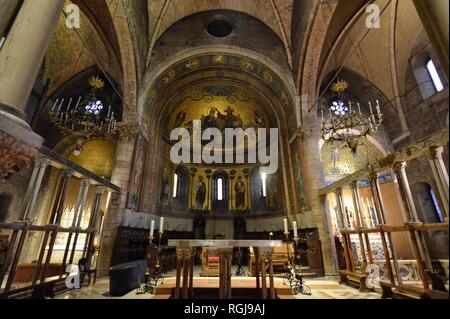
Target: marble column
{"type": "Point", "coordinates": [377, 198]}
{"type": "Point", "coordinates": [342, 221]}
{"type": "Point", "coordinates": [404, 190]}
{"type": "Point", "coordinates": [357, 203]}
{"type": "Point", "coordinates": [434, 16]}
{"type": "Point", "coordinates": [23, 52]}
{"type": "Point", "coordinates": [379, 207]}
{"type": "Point", "coordinates": [434, 155]}
{"type": "Point", "coordinates": [29, 212]}
{"type": "Point", "coordinates": [21, 58]}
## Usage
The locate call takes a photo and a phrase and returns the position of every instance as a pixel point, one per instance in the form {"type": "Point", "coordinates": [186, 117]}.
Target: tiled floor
{"type": "Point", "coordinates": [321, 288]}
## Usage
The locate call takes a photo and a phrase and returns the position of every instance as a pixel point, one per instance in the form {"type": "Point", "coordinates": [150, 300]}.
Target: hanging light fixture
{"type": "Point", "coordinates": [84, 119]}
{"type": "Point", "coordinates": [347, 124]}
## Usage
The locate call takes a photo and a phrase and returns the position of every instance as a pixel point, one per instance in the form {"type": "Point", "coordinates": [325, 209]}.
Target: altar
{"type": "Point", "coordinates": [263, 250]}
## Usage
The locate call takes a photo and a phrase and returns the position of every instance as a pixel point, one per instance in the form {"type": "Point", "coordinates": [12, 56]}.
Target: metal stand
{"type": "Point", "coordinates": [151, 282]}
{"type": "Point", "coordinates": [240, 272]}
{"type": "Point", "coordinates": [295, 281]}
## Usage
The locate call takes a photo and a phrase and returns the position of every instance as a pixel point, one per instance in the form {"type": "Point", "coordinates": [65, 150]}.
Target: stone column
{"type": "Point", "coordinates": [404, 190]}
{"type": "Point", "coordinates": [342, 221]}
{"type": "Point", "coordinates": [434, 16]}
{"type": "Point", "coordinates": [59, 209]}
{"type": "Point", "coordinates": [29, 212]}
{"type": "Point", "coordinates": [440, 175]}
{"type": "Point", "coordinates": [314, 181]}
{"type": "Point", "coordinates": [379, 207]}
{"type": "Point", "coordinates": [377, 198]}
{"type": "Point", "coordinates": [20, 60]}
{"type": "Point", "coordinates": [357, 203]}
{"type": "Point", "coordinates": [85, 187]}
{"type": "Point", "coordinates": [114, 214]}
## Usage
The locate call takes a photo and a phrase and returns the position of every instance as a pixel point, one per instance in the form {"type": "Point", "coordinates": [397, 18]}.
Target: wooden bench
{"type": "Point", "coordinates": [358, 279]}
{"type": "Point", "coordinates": [45, 289]}
{"type": "Point", "coordinates": [410, 292]}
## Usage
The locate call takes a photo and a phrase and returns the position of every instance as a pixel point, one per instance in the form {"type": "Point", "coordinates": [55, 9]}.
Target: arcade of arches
{"type": "Point", "coordinates": [87, 193]}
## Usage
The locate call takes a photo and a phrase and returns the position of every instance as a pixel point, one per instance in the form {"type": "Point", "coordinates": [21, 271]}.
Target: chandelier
{"type": "Point", "coordinates": [84, 120]}
{"type": "Point", "coordinates": [347, 124]}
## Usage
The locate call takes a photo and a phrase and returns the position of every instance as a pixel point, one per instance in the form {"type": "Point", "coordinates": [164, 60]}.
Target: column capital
{"type": "Point", "coordinates": [434, 152]}
{"type": "Point", "coordinates": [373, 176]}
{"type": "Point", "coordinates": [338, 191]}
{"type": "Point", "coordinates": [99, 190]}
{"type": "Point", "coordinates": [85, 182]}
{"type": "Point", "coordinates": [354, 185]}
{"type": "Point", "coordinates": [67, 173]}
{"type": "Point", "coordinates": [399, 165]}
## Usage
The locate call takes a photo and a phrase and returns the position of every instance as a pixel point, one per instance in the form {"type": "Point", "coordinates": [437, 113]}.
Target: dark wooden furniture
{"type": "Point", "coordinates": [280, 258]}
{"type": "Point", "coordinates": [91, 273]}
{"type": "Point", "coordinates": [126, 277]}
{"type": "Point", "coordinates": [4, 243]}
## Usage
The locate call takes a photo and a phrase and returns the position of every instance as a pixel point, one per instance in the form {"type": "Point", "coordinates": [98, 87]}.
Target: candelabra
{"type": "Point", "coordinates": [348, 125]}
{"type": "Point", "coordinates": [295, 280]}
{"type": "Point", "coordinates": [152, 279]}
{"type": "Point", "coordinates": [240, 272]}
{"type": "Point", "coordinates": [84, 118]}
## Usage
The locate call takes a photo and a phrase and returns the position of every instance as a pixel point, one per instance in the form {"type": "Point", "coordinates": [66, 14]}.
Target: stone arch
{"type": "Point", "coordinates": [249, 80]}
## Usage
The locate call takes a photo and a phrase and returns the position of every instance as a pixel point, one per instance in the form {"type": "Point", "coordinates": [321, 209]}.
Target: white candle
{"type": "Point", "coordinates": [152, 228]}
{"type": "Point", "coordinates": [378, 107]}
{"type": "Point", "coordinates": [68, 107]}
{"type": "Point", "coordinates": [161, 224]}
{"type": "Point", "coordinates": [54, 105]}
{"type": "Point", "coordinates": [322, 117]}
{"type": "Point", "coordinates": [295, 229]}
{"type": "Point", "coordinates": [60, 105]}
{"type": "Point", "coordinates": [350, 105]}
{"type": "Point", "coordinates": [109, 111]}
{"type": "Point", "coordinates": [370, 106]}
{"type": "Point", "coordinates": [78, 103]}
{"type": "Point", "coordinates": [359, 108]}
{"type": "Point", "coordinates": [286, 230]}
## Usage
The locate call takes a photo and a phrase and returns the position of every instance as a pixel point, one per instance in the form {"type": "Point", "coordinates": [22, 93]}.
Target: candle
{"type": "Point", "coordinates": [161, 225]}
{"type": "Point", "coordinates": [286, 230]}
{"type": "Point", "coordinates": [350, 105]}
{"type": "Point", "coordinates": [68, 106]}
{"type": "Point", "coordinates": [109, 111]}
{"type": "Point", "coordinates": [323, 121]}
{"type": "Point", "coordinates": [152, 228]}
{"type": "Point", "coordinates": [60, 105]}
{"type": "Point", "coordinates": [378, 107]}
{"type": "Point", "coordinates": [359, 108]}
{"type": "Point", "coordinates": [370, 106]}
{"type": "Point", "coordinates": [295, 229]}
{"type": "Point", "coordinates": [78, 103]}
{"type": "Point", "coordinates": [54, 105]}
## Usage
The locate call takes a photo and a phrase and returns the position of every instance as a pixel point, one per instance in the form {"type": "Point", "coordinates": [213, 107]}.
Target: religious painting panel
{"type": "Point", "coordinates": [137, 172]}
{"type": "Point", "coordinates": [296, 151]}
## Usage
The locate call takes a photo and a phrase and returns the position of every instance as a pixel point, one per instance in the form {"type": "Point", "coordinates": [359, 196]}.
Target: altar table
{"type": "Point", "coordinates": [185, 264]}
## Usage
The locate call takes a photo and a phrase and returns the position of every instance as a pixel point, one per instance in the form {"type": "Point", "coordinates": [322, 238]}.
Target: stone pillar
{"type": "Point", "coordinates": [440, 175]}
{"type": "Point", "coordinates": [78, 202]}
{"type": "Point", "coordinates": [23, 52]}
{"type": "Point", "coordinates": [85, 189]}
{"type": "Point", "coordinates": [21, 57]}
{"type": "Point", "coordinates": [379, 206]}
{"type": "Point", "coordinates": [314, 182]}
{"type": "Point", "coordinates": [376, 194]}
{"type": "Point", "coordinates": [29, 212]}
{"type": "Point", "coordinates": [357, 204]}
{"type": "Point", "coordinates": [342, 221]}
{"type": "Point", "coordinates": [114, 215]}
{"type": "Point", "coordinates": [99, 191]}
{"type": "Point", "coordinates": [404, 190]}
{"type": "Point", "coordinates": [434, 16]}
{"type": "Point", "coordinates": [59, 208]}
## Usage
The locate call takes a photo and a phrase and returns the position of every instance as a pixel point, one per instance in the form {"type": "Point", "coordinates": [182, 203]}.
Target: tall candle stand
{"type": "Point", "coordinates": [240, 272]}
{"type": "Point", "coordinates": [289, 277]}
{"type": "Point", "coordinates": [152, 281]}
{"type": "Point", "coordinates": [298, 283]}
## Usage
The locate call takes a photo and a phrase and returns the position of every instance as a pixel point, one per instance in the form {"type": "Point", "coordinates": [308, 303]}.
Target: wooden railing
{"type": "Point", "coordinates": [415, 232]}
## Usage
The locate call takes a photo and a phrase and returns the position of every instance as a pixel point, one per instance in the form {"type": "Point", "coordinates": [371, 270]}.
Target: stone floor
{"type": "Point", "coordinates": [321, 288]}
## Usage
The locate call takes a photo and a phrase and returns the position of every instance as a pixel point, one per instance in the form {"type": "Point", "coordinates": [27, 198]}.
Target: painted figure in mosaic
{"type": "Point", "coordinates": [200, 194]}
{"type": "Point", "coordinates": [239, 188]}
{"type": "Point", "coordinates": [165, 189]}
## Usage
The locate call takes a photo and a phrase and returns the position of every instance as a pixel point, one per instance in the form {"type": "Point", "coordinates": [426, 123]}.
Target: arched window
{"type": "Point", "coordinates": [220, 189]}
{"type": "Point", "coordinates": [175, 186]}
{"type": "Point", "coordinates": [434, 76]}
{"type": "Point", "coordinates": [436, 204]}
